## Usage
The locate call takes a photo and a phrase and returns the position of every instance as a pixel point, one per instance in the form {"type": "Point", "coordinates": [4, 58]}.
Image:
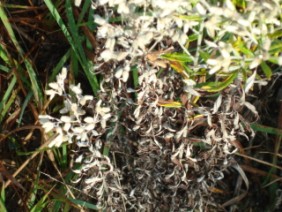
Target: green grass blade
{"type": "Point", "coordinates": [5, 68]}
{"type": "Point", "coordinates": [34, 192]}
{"type": "Point", "coordinates": [54, 12]}
{"type": "Point", "coordinates": [75, 43]}
{"type": "Point", "coordinates": [2, 199]}
{"type": "Point", "coordinates": [85, 63]}
{"type": "Point", "coordinates": [9, 29]}
{"type": "Point", "coordinates": [2, 206]}
{"type": "Point", "coordinates": [74, 32]}
{"type": "Point", "coordinates": [24, 105]}
{"type": "Point", "coordinates": [266, 129]}
{"type": "Point", "coordinates": [41, 204]}
{"type": "Point", "coordinates": [3, 54]}
{"type": "Point", "coordinates": [8, 104]}
{"type": "Point", "coordinates": [135, 77]}
{"type": "Point", "coordinates": [35, 87]}
{"type": "Point", "coordinates": [61, 156]}
{"type": "Point", "coordinates": [3, 102]}
{"type": "Point", "coordinates": [57, 206]}
{"type": "Point", "coordinates": [67, 208]}
{"type": "Point", "coordinates": [59, 66]}
{"type": "Point", "coordinates": [74, 64]}
{"type": "Point", "coordinates": [64, 162]}
{"type": "Point", "coordinates": [91, 24]}
{"type": "Point", "coordinates": [85, 8]}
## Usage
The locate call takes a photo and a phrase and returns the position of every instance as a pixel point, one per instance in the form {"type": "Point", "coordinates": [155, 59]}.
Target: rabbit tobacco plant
{"type": "Point", "coordinates": [168, 150]}
{"type": "Point", "coordinates": [75, 125]}
{"type": "Point", "coordinates": [155, 154]}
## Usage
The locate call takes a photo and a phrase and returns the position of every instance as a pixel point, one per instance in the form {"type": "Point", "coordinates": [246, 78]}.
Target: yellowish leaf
{"type": "Point", "coordinates": [215, 190]}
{"type": "Point", "coordinates": [169, 103]}
{"type": "Point", "coordinates": [178, 67]}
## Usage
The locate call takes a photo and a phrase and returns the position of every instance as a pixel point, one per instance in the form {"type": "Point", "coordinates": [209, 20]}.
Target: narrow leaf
{"type": "Point", "coordinates": [179, 57]}
{"type": "Point", "coordinates": [32, 75]}
{"type": "Point", "coordinates": [169, 103]}
{"type": "Point", "coordinates": [218, 86]}
{"type": "Point", "coordinates": [266, 70]}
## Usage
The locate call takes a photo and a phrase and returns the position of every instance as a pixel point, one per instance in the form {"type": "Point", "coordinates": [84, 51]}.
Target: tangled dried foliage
{"type": "Point", "coordinates": [178, 160]}
{"type": "Point", "coordinates": [160, 158]}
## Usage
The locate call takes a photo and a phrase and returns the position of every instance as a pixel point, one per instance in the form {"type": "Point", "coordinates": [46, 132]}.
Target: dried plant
{"type": "Point", "coordinates": [168, 149]}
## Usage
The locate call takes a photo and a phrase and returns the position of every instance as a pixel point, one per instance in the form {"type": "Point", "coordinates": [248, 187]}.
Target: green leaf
{"type": "Point", "coordinates": [179, 57]}
{"type": "Point", "coordinates": [204, 55]}
{"type": "Point", "coordinates": [276, 34]}
{"type": "Point", "coordinates": [191, 17]}
{"type": "Point", "coordinates": [3, 54]}
{"type": "Point", "coordinates": [5, 68]}
{"type": "Point", "coordinates": [245, 50]}
{"type": "Point", "coordinates": [276, 47]}
{"type": "Point", "coordinates": [135, 76]}
{"type": "Point", "coordinates": [193, 37]}
{"type": "Point", "coordinates": [240, 46]}
{"type": "Point", "coordinates": [218, 86]}
{"type": "Point", "coordinates": [240, 3]}
{"type": "Point", "coordinates": [274, 60]}
{"type": "Point", "coordinates": [266, 69]}
{"type": "Point", "coordinates": [169, 104]}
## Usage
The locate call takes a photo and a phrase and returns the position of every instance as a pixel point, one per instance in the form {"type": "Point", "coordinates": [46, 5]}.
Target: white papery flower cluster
{"type": "Point", "coordinates": [158, 19]}
{"type": "Point", "coordinates": [252, 25]}
{"type": "Point", "coordinates": [140, 32]}
{"type": "Point", "coordinates": [77, 125]}
{"type": "Point", "coordinates": [74, 123]}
